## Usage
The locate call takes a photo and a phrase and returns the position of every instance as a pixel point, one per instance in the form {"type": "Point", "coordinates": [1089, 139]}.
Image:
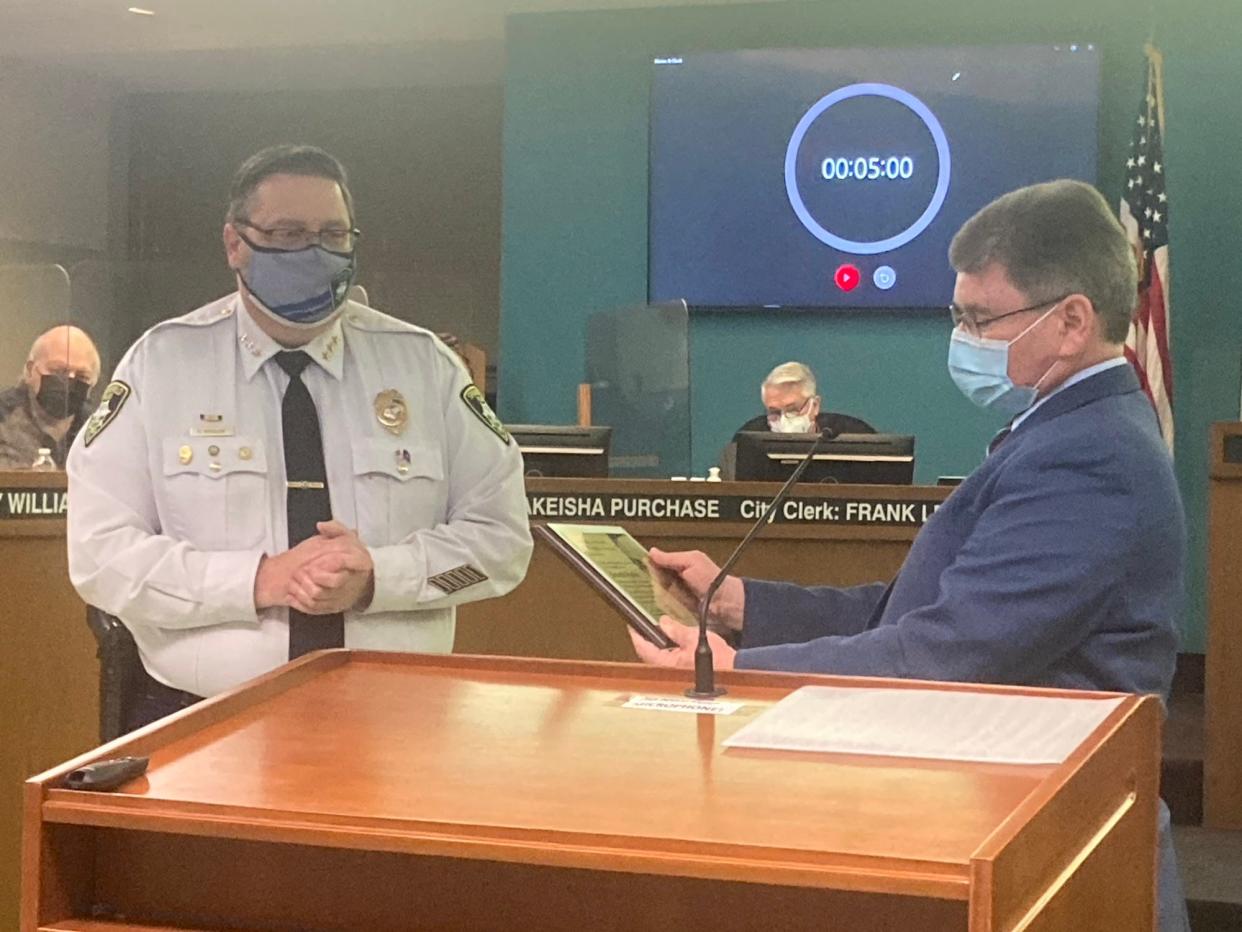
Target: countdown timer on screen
{"type": "Point", "coordinates": [836, 178]}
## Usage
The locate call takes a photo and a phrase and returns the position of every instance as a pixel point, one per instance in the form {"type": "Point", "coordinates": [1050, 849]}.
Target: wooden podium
{"type": "Point", "coordinates": [352, 791]}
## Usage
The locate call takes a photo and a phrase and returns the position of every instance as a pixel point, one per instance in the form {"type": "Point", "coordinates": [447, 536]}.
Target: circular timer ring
{"type": "Point", "coordinates": [858, 247]}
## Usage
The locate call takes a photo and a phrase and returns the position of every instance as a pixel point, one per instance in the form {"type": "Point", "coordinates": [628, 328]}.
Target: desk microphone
{"type": "Point", "coordinates": [704, 673]}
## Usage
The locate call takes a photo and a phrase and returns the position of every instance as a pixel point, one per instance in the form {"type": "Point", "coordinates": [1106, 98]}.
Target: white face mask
{"type": "Point", "coordinates": [792, 424]}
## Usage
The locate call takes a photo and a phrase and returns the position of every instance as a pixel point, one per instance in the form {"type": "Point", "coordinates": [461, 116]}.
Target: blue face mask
{"type": "Point", "coordinates": [300, 287]}
{"type": "Point", "coordinates": [980, 367]}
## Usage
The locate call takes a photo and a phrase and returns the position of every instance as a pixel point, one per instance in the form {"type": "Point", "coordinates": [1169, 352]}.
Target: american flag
{"type": "Point", "coordinates": [1145, 215]}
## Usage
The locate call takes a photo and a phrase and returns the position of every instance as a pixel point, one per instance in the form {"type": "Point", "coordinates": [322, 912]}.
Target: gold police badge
{"type": "Point", "coordinates": [391, 411]}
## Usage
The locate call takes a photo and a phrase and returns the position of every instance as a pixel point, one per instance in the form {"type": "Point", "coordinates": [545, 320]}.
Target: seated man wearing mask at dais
{"type": "Point", "coordinates": [789, 393]}
{"type": "Point", "coordinates": [49, 405]}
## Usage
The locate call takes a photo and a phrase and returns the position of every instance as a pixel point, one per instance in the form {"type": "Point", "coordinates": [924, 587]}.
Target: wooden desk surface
{"type": "Point", "coordinates": [500, 759]}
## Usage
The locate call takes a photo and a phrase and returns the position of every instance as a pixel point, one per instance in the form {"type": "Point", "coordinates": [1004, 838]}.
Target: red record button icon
{"type": "Point", "coordinates": [847, 277]}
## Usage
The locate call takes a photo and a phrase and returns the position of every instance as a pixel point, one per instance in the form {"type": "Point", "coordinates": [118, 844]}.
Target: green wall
{"type": "Point", "coordinates": [575, 217]}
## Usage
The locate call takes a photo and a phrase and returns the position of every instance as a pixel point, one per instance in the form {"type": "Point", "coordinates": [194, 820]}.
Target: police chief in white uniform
{"type": "Point", "coordinates": [178, 486]}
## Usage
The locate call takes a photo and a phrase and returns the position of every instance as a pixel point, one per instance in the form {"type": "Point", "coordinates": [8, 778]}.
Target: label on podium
{"type": "Point", "coordinates": [928, 723]}
{"type": "Point", "coordinates": [680, 704]}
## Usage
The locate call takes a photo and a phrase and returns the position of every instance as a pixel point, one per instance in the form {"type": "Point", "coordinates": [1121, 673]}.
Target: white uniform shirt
{"type": "Point", "coordinates": [176, 497]}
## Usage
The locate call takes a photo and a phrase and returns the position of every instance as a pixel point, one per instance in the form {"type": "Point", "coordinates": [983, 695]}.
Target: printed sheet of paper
{"type": "Point", "coordinates": [928, 723]}
{"type": "Point", "coordinates": [624, 562]}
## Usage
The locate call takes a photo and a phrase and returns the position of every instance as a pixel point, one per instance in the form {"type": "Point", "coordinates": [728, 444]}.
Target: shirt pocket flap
{"type": "Point", "coordinates": [213, 456]}
{"type": "Point", "coordinates": [391, 458]}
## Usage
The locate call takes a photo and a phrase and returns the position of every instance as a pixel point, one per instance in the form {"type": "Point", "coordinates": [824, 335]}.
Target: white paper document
{"type": "Point", "coordinates": [928, 723]}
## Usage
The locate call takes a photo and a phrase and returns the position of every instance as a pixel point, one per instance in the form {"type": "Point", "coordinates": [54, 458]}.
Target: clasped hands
{"type": "Point", "coordinates": [325, 574]}
{"type": "Point", "coordinates": [687, 575]}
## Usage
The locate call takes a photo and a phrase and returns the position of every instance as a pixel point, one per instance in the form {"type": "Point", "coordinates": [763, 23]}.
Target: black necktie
{"type": "Point", "coordinates": [306, 497]}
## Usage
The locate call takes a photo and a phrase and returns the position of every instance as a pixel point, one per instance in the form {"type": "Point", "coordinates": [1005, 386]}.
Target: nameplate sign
{"type": "Point", "coordinates": [614, 507]}
{"type": "Point", "coordinates": [16, 504]}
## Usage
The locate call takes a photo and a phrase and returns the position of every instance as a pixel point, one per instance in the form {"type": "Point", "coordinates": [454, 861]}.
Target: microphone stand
{"type": "Point", "coordinates": [704, 671]}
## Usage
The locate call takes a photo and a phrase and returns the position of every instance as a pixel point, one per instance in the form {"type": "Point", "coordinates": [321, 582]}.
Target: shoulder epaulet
{"type": "Point", "coordinates": [205, 316]}
{"type": "Point", "coordinates": [369, 319]}
{"type": "Point", "coordinates": [366, 318]}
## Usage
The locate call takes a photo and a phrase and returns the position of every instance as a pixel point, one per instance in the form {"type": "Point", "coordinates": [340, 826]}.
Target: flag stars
{"type": "Point", "coordinates": [1145, 210]}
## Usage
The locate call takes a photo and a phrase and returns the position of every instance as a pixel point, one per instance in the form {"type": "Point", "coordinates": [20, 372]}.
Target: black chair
{"type": "Point", "coordinates": [119, 669]}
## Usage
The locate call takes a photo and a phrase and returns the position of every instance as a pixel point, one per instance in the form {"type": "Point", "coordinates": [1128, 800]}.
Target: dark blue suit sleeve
{"type": "Point", "coordinates": [782, 613]}
{"type": "Point", "coordinates": [1040, 564]}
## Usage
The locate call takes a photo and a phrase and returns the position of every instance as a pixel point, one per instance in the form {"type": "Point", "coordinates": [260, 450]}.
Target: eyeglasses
{"type": "Point", "coordinates": [975, 326]}
{"type": "Point", "coordinates": [792, 410]}
{"type": "Point", "coordinates": [334, 239]}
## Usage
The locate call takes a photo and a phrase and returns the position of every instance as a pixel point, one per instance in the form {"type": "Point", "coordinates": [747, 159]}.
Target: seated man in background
{"type": "Point", "coordinates": [1058, 562]}
{"type": "Point", "coordinates": [49, 405]}
{"type": "Point", "coordinates": [793, 407]}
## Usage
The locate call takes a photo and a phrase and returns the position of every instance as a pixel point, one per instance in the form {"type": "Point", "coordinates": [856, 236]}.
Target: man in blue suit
{"type": "Point", "coordinates": [1058, 562]}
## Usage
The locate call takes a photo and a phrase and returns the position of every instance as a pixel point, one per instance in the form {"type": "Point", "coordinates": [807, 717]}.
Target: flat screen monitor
{"type": "Point", "coordinates": [563, 451]}
{"type": "Point", "coordinates": [855, 459]}
{"type": "Point", "coordinates": [835, 178]}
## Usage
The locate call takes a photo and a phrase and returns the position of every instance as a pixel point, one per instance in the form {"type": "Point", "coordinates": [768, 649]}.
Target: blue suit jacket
{"type": "Point", "coordinates": [1058, 562]}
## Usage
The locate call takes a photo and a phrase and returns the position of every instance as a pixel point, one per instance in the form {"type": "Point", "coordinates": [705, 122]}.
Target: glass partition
{"type": "Point", "coordinates": [638, 367]}
{"type": "Point", "coordinates": [34, 299]}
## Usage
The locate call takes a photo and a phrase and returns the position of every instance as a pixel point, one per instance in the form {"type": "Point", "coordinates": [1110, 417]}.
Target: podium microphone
{"type": "Point", "coordinates": [704, 672]}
